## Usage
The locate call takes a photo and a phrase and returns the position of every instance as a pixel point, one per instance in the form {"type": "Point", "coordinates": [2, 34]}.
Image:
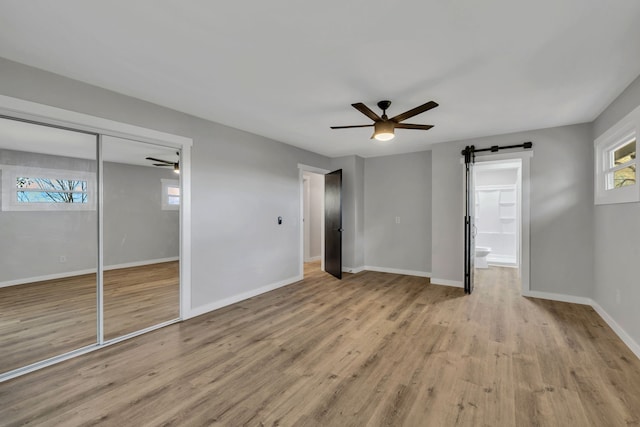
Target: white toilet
{"type": "Point", "coordinates": [481, 256]}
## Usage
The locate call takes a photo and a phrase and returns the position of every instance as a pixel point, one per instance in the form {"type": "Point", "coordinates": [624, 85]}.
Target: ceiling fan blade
{"type": "Point", "coordinates": [159, 160]}
{"type": "Point", "coordinates": [366, 111]}
{"type": "Point", "coordinates": [162, 164]}
{"type": "Point", "coordinates": [410, 126]}
{"type": "Point", "coordinates": [414, 111]}
{"type": "Point", "coordinates": [354, 126]}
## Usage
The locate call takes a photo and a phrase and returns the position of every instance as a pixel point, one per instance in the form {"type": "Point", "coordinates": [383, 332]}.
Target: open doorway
{"type": "Point", "coordinates": [312, 213]}
{"type": "Point", "coordinates": [313, 218]}
{"type": "Point", "coordinates": [501, 222]}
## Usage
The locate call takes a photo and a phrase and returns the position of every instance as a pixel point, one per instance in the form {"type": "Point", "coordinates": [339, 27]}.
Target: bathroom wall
{"type": "Point", "coordinates": [497, 213]}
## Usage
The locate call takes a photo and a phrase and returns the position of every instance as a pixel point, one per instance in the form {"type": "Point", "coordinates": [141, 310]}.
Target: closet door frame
{"type": "Point", "coordinates": [56, 117]}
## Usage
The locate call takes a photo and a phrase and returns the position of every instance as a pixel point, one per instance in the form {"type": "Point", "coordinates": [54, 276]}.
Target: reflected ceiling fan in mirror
{"type": "Point", "coordinates": [166, 163]}
{"type": "Point", "coordinates": [384, 127]}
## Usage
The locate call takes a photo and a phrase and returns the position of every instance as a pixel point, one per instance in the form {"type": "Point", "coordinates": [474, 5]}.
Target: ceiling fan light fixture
{"type": "Point", "coordinates": [383, 131]}
{"type": "Point", "coordinates": [176, 168]}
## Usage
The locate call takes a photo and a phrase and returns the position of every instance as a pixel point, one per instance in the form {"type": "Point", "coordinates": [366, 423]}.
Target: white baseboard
{"type": "Point", "coordinates": [141, 263]}
{"type": "Point", "coordinates": [87, 271]}
{"type": "Point", "coordinates": [197, 311]}
{"type": "Point", "coordinates": [624, 336]}
{"type": "Point", "coordinates": [353, 270]}
{"type": "Point", "coordinates": [446, 282]}
{"type": "Point", "coordinates": [501, 260]}
{"type": "Point", "coordinates": [502, 264]}
{"type": "Point", "coordinates": [557, 297]}
{"type": "Point", "coordinates": [397, 271]}
{"type": "Point", "coordinates": [313, 258]}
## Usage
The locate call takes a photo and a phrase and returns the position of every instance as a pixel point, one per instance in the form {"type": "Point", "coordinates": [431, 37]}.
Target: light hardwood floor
{"type": "Point", "coordinates": [45, 319]}
{"type": "Point", "coordinates": [372, 349]}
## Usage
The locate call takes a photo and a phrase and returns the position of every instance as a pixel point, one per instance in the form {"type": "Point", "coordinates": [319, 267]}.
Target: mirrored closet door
{"type": "Point", "coordinates": [89, 241]}
{"type": "Point", "coordinates": [48, 242]}
{"type": "Point", "coordinates": [141, 232]}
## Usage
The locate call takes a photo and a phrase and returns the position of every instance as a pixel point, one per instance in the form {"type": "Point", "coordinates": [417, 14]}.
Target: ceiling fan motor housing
{"type": "Point", "coordinates": [383, 105]}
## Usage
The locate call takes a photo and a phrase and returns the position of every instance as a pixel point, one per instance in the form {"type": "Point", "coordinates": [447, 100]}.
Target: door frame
{"type": "Point", "coordinates": [301, 169]}
{"type": "Point", "coordinates": [59, 117]}
{"type": "Point", "coordinates": [525, 208]}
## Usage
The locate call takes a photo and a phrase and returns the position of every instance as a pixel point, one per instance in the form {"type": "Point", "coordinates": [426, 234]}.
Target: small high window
{"type": "Point", "coordinates": [622, 165]}
{"type": "Point", "coordinates": [36, 189]}
{"type": "Point", "coordinates": [48, 190]}
{"type": "Point", "coordinates": [616, 164]}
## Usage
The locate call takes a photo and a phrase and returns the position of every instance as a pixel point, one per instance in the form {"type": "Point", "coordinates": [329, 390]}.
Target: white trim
{"type": "Point", "coordinates": [446, 282]}
{"type": "Point", "coordinates": [313, 258]}
{"type": "Point", "coordinates": [61, 117]}
{"type": "Point", "coordinates": [501, 264]}
{"type": "Point", "coordinates": [502, 261]}
{"type": "Point", "coordinates": [396, 271]}
{"type": "Point", "coordinates": [622, 334]}
{"type": "Point", "coordinates": [185, 230]}
{"type": "Point", "coordinates": [141, 263]}
{"type": "Point", "coordinates": [86, 271]}
{"type": "Point", "coordinates": [557, 297]}
{"type": "Point", "coordinates": [353, 270]}
{"type": "Point", "coordinates": [100, 242]}
{"type": "Point", "coordinates": [498, 158]}
{"type": "Point", "coordinates": [215, 305]}
{"type": "Point", "coordinates": [313, 169]}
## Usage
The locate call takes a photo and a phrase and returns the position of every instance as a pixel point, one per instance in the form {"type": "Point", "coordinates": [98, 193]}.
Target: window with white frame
{"type": "Point", "coordinates": [616, 163]}
{"type": "Point", "coordinates": [39, 189]}
{"type": "Point", "coordinates": [170, 194]}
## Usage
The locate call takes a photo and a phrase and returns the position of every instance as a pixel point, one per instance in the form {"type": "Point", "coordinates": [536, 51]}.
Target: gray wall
{"type": "Point", "coordinates": [398, 186]}
{"type": "Point", "coordinates": [135, 226]}
{"type": "Point", "coordinates": [561, 208]}
{"type": "Point", "coordinates": [617, 232]}
{"type": "Point", "coordinates": [241, 183]}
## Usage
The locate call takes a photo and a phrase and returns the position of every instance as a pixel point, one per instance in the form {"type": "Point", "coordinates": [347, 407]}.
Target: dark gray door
{"type": "Point", "coordinates": [333, 223]}
{"type": "Point", "coordinates": [469, 223]}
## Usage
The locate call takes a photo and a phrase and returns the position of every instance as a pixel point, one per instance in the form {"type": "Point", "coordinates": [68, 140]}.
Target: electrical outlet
{"type": "Point", "coordinates": [618, 297]}
{"type": "Point", "coordinates": [63, 258]}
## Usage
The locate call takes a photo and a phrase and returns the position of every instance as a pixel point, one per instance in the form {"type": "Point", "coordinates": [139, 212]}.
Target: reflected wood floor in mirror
{"type": "Point", "coordinates": [372, 349]}
{"type": "Point", "coordinates": [45, 319]}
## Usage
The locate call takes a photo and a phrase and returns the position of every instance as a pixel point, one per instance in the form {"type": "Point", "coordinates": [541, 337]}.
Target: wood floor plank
{"type": "Point", "coordinates": [372, 349]}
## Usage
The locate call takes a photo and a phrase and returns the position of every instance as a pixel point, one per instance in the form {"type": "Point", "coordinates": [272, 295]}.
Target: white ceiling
{"type": "Point", "coordinates": [289, 69]}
